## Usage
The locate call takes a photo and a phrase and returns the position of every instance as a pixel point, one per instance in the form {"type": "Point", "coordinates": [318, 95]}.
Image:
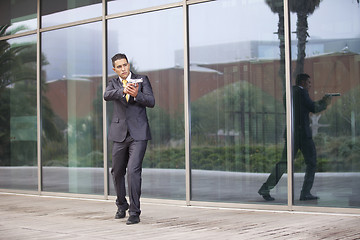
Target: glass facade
{"type": "Point", "coordinates": [164, 162]}
{"type": "Point", "coordinates": [18, 147]}
{"type": "Point", "coordinates": [71, 97]}
{"type": "Point", "coordinates": [237, 112]}
{"type": "Point", "coordinates": [120, 6]}
{"type": "Point", "coordinates": [327, 48]}
{"type": "Point", "coordinates": [65, 11]}
{"type": "Point", "coordinates": [235, 69]}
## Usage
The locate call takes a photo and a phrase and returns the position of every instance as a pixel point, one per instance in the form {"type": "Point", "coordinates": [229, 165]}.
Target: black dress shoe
{"type": "Point", "coordinates": [120, 214]}
{"type": "Point", "coordinates": [133, 219]}
{"type": "Point", "coordinates": [307, 197]}
{"type": "Point", "coordinates": [266, 195]}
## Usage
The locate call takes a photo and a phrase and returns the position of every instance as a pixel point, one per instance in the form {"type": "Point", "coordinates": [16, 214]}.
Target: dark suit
{"type": "Point", "coordinates": [129, 131]}
{"type": "Point", "coordinates": [302, 105]}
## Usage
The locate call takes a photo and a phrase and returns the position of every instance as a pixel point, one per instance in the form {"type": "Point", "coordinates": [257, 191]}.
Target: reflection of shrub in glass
{"type": "Point", "coordinates": [18, 102]}
{"type": "Point", "coordinates": [236, 158]}
{"type": "Point", "coordinates": [344, 115]}
{"type": "Point", "coordinates": [337, 154]}
{"type": "Point", "coordinates": [228, 108]}
{"type": "Point", "coordinates": [338, 143]}
{"type": "Point", "coordinates": [334, 155]}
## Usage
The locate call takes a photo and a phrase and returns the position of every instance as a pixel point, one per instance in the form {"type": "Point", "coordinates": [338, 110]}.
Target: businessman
{"type": "Point", "coordinates": [303, 105]}
{"type": "Point", "coordinates": [129, 130]}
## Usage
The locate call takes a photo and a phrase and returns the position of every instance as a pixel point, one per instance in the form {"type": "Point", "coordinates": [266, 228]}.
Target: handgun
{"type": "Point", "coordinates": [135, 81]}
{"type": "Point", "coordinates": [332, 94]}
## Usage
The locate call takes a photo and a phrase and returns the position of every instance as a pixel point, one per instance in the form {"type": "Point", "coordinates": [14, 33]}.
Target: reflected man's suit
{"type": "Point", "coordinates": [302, 105]}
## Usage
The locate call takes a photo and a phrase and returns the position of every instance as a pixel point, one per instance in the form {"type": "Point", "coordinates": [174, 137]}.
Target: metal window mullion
{"type": "Point", "coordinates": [22, 34]}
{"type": "Point", "coordinates": [38, 100]}
{"type": "Point", "coordinates": [104, 77]}
{"type": "Point", "coordinates": [187, 110]}
{"type": "Point", "coordinates": [144, 10]}
{"type": "Point", "coordinates": [289, 124]}
{"type": "Point", "coordinates": [71, 24]}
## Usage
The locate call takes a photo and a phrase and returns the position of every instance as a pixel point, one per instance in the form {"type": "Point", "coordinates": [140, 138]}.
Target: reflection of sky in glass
{"type": "Point", "coordinates": [72, 52]}
{"type": "Point", "coordinates": [232, 21]}
{"type": "Point", "coordinates": [155, 40]}
{"type": "Point", "coordinates": [229, 31]}
{"type": "Point", "coordinates": [334, 19]}
{"type": "Point", "coordinates": [149, 40]}
{"type": "Point", "coordinates": [333, 27]}
{"type": "Point", "coordinates": [226, 31]}
{"type": "Point", "coordinates": [72, 15]}
{"type": "Point", "coordinates": [254, 20]}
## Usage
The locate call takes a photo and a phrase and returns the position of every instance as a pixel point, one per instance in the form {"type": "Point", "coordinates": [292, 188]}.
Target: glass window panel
{"type": "Point", "coordinates": [151, 42]}
{"type": "Point", "coordinates": [19, 15]}
{"type": "Point", "coordinates": [72, 151]}
{"type": "Point", "coordinates": [237, 111]}
{"type": "Point", "coordinates": [328, 48]}
{"type": "Point", "coordinates": [117, 6]}
{"type": "Point", "coordinates": [66, 11]}
{"type": "Point", "coordinates": [18, 129]}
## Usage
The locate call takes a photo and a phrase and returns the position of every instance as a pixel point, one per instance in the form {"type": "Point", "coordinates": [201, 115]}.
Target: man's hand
{"type": "Point", "coordinates": [131, 89]}
{"type": "Point", "coordinates": [327, 99]}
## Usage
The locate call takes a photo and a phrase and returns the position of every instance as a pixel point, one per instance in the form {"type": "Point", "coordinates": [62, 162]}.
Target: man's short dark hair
{"type": "Point", "coordinates": [301, 77]}
{"type": "Point", "coordinates": [117, 57]}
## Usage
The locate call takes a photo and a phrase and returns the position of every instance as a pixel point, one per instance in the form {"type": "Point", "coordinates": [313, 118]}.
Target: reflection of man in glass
{"type": "Point", "coordinates": [129, 130]}
{"type": "Point", "coordinates": [303, 105]}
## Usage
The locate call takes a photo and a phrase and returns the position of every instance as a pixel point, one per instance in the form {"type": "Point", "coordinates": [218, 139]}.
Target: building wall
{"type": "Point", "coordinates": [227, 57]}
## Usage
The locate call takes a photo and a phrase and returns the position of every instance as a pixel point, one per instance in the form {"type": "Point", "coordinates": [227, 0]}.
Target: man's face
{"type": "Point", "coordinates": [306, 84]}
{"type": "Point", "coordinates": [122, 68]}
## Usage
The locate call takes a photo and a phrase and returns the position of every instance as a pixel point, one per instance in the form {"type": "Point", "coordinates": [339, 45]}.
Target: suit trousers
{"type": "Point", "coordinates": [129, 155]}
{"type": "Point", "coordinates": [307, 147]}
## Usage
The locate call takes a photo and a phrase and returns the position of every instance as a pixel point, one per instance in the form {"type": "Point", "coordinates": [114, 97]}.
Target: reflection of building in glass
{"type": "Point", "coordinates": [82, 95]}
{"type": "Point", "coordinates": [230, 133]}
{"type": "Point", "coordinates": [332, 72]}
{"type": "Point", "coordinates": [264, 50]}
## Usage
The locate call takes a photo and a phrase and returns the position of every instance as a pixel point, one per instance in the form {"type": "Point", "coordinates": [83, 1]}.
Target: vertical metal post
{"type": "Point", "coordinates": [288, 90]}
{"type": "Point", "coordinates": [187, 106]}
{"type": "Point", "coordinates": [38, 99]}
{"type": "Point", "coordinates": [104, 78]}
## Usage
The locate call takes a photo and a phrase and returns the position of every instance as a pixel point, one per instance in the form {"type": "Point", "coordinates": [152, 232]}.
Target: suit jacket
{"type": "Point", "coordinates": [129, 116]}
{"type": "Point", "coordinates": [303, 105]}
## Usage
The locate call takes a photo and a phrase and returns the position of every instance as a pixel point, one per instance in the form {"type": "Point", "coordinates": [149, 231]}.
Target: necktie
{"type": "Point", "coordinates": [127, 95]}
